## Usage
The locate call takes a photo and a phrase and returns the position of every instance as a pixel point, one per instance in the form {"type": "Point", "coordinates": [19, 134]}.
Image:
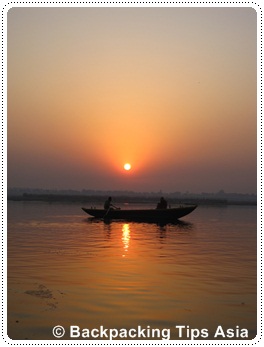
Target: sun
{"type": "Point", "coordinates": [127, 166]}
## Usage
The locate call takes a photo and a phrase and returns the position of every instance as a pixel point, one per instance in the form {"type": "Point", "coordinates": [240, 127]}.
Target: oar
{"type": "Point", "coordinates": [117, 208]}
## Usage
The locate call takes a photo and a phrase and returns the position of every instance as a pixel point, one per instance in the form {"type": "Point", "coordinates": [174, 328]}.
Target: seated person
{"type": "Point", "coordinates": [162, 204]}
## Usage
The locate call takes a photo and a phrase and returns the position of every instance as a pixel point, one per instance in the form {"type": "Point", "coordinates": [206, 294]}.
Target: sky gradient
{"type": "Point", "coordinates": [172, 91]}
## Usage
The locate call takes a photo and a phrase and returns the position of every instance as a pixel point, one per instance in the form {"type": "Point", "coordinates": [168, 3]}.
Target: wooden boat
{"type": "Point", "coordinates": [170, 214]}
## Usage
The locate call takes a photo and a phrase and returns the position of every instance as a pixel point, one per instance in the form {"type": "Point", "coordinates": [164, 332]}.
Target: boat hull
{"type": "Point", "coordinates": [171, 214]}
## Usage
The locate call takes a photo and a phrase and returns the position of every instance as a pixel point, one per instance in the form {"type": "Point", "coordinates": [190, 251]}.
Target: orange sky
{"type": "Point", "coordinates": [170, 90]}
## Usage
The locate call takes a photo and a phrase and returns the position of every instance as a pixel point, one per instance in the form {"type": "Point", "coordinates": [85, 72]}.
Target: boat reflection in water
{"type": "Point", "coordinates": [160, 223]}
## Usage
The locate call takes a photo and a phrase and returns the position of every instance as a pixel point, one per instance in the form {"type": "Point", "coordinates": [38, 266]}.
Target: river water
{"type": "Point", "coordinates": [196, 279]}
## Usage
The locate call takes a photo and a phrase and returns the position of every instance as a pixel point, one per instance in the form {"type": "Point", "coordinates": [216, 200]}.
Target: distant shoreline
{"type": "Point", "coordinates": [126, 199]}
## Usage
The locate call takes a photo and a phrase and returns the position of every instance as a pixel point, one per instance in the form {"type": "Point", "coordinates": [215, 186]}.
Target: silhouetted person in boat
{"type": "Point", "coordinates": [162, 204]}
{"type": "Point", "coordinates": [108, 204]}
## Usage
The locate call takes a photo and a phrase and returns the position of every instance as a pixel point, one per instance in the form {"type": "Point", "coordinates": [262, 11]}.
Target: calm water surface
{"type": "Point", "coordinates": [66, 269]}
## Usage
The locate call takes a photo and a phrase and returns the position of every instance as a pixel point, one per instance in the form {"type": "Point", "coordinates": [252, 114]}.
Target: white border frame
{"type": "Point", "coordinates": [5, 7]}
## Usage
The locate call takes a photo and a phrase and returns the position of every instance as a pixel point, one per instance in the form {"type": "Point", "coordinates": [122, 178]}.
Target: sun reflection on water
{"type": "Point", "coordinates": [125, 238]}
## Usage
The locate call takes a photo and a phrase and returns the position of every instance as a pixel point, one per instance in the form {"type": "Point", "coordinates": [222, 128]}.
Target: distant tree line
{"type": "Point", "coordinates": [27, 194]}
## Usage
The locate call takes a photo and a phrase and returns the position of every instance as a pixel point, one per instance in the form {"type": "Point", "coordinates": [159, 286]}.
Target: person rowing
{"type": "Point", "coordinates": [108, 204]}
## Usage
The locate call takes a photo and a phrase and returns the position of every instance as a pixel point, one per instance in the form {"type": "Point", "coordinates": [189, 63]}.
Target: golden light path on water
{"type": "Point", "coordinates": [125, 238]}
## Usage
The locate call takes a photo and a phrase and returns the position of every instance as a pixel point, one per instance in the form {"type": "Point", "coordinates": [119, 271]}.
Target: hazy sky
{"type": "Point", "coordinates": [172, 91]}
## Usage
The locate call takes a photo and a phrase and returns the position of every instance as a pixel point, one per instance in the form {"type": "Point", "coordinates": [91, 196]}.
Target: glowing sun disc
{"type": "Point", "coordinates": [127, 166]}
